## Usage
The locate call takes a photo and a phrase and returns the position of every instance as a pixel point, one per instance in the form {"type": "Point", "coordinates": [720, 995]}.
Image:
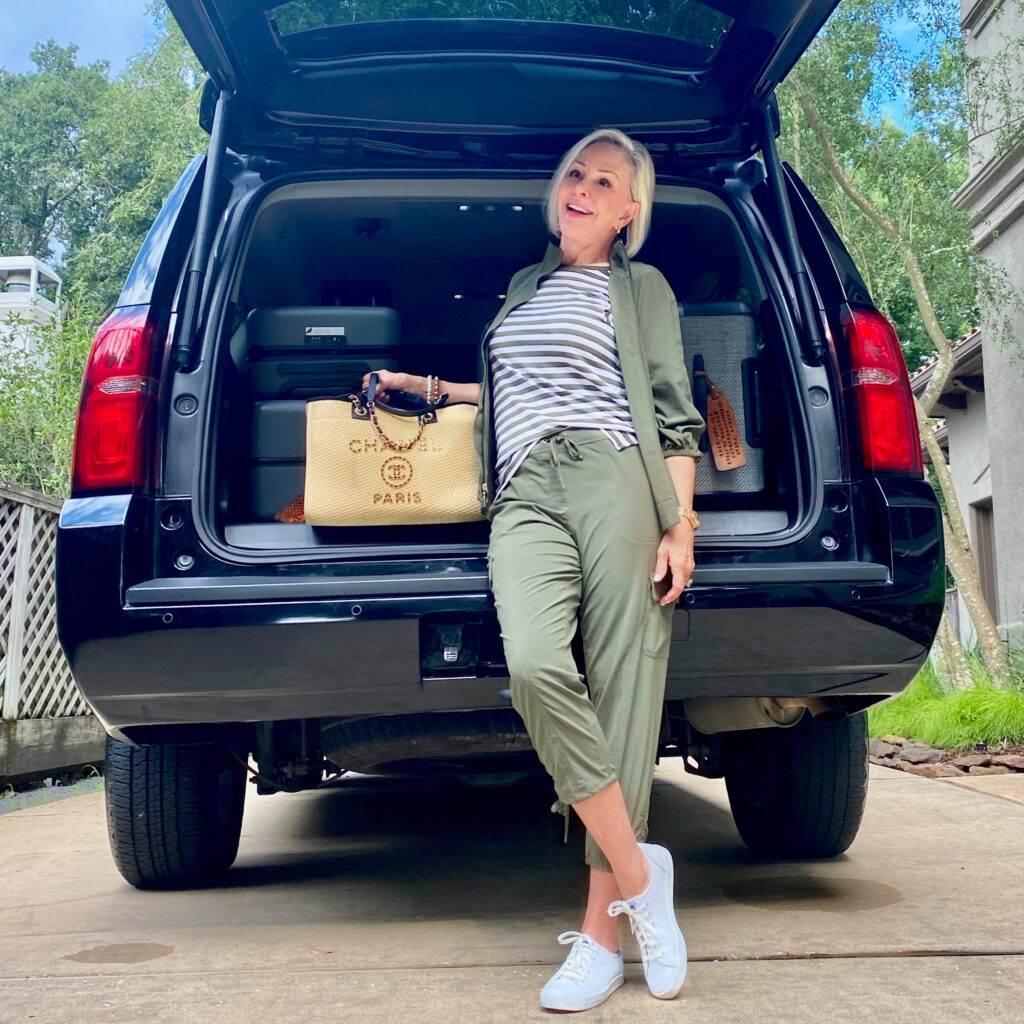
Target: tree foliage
{"type": "Point", "coordinates": [46, 203]}
{"type": "Point", "coordinates": [85, 164]}
{"type": "Point", "coordinates": [40, 384]}
{"type": "Point", "coordinates": [907, 163]}
{"type": "Point", "coordinates": [144, 135]}
{"type": "Point", "coordinates": [682, 19]}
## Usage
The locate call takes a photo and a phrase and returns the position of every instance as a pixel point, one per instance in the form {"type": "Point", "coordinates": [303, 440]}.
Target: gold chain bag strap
{"type": "Point", "coordinates": [373, 464]}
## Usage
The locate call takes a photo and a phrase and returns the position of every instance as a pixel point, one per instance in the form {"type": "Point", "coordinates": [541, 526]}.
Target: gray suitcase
{"type": "Point", "coordinates": [309, 351]}
{"type": "Point", "coordinates": [721, 339]}
{"type": "Point", "coordinates": [292, 354]}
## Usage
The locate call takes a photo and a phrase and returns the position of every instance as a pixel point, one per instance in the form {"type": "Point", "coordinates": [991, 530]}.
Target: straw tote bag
{"type": "Point", "coordinates": [374, 464]}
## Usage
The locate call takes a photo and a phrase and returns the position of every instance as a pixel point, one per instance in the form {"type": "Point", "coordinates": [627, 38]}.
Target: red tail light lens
{"type": "Point", "coordinates": [878, 395]}
{"type": "Point", "coordinates": [116, 409]}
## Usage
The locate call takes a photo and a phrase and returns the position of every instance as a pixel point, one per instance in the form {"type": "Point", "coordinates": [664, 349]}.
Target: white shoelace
{"type": "Point", "coordinates": [581, 957]}
{"type": "Point", "coordinates": [641, 926]}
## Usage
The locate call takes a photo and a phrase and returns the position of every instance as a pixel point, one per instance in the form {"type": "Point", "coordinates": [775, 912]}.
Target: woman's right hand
{"type": "Point", "coordinates": [388, 380]}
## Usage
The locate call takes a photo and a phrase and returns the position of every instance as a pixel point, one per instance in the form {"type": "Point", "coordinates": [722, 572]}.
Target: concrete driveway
{"type": "Point", "coordinates": [382, 902]}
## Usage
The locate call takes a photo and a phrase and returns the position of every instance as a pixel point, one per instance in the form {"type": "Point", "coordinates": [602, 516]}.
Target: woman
{"type": "Point", "coordinates": [587, 437]}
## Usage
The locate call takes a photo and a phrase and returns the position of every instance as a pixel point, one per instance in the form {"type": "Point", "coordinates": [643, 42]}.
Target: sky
{"type": "Point", "coordinates": [110, 30]}
{"type": "Point", "coordinates": [895, 107]}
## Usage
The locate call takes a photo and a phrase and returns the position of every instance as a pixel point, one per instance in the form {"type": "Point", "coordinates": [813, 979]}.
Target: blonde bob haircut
{"type": "Point", "coordinates": [641, 183]}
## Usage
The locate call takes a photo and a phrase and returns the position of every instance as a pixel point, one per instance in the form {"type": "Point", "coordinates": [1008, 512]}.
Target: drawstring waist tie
{"type": "Point", "coordinates": [570, 446]}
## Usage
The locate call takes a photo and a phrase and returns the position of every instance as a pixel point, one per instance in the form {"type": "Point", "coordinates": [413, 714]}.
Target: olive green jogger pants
{"type": "Point", "coordinates": [574, 541]}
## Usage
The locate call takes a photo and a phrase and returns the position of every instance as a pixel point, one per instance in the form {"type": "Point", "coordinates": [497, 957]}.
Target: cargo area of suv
{"type": "Point", "coordinates": [332, 281]}
{"type": "Point", "coordinates": [371, 187]}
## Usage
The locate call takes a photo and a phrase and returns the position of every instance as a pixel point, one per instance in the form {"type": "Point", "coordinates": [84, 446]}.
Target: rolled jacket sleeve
{"type": "Point", "coordinates": [680, 425]}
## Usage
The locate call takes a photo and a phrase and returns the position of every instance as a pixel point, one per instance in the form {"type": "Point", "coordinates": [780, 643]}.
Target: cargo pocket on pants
{"type": "Point", "coordinates": [657, 631]}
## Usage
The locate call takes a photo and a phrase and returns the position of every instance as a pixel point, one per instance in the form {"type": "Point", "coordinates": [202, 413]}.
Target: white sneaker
{"type": "Point", "coordinates": [588, 977]}
{"type": "Point", "coordinates": [653, 921]}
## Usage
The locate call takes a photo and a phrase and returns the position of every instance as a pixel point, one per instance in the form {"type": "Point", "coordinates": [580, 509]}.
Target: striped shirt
{"type": "Point", "coordinates": [555, 364]}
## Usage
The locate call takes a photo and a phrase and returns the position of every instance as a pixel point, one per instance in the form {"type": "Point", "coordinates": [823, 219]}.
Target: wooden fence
{"type": "Point", "coordinates": [46, 723]}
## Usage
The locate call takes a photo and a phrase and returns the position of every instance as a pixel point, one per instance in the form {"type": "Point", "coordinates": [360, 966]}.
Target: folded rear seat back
{"type": "Point", "coordinates": [720, 338]}
{"type": "Point", "coordinates": [293, 354]}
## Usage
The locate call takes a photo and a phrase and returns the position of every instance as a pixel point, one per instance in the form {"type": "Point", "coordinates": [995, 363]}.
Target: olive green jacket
{"type": "Point", "coordinates": [650, 345]}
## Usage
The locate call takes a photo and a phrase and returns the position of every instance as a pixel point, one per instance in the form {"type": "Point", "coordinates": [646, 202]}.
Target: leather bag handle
{"type": "Point", "coordinates": [429, 416]}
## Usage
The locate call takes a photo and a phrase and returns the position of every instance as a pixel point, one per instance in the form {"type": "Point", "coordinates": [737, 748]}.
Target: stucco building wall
{"type": "Point", "coordinates": [970, 467]}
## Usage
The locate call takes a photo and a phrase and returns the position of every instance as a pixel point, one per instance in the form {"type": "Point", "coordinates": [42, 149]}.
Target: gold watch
{"type": "Point", "coordinates": [690, 516]}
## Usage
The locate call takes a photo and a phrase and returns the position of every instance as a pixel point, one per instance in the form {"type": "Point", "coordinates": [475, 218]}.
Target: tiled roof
{"type": "Point", "coordinates": [960, 345]}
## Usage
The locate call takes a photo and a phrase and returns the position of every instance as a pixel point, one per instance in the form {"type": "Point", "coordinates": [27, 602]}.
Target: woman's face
{"type": "Point", "coordinates": [593, 200]}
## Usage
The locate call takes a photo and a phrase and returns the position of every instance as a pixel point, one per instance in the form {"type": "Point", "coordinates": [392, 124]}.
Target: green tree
{"type": "Point", "coordinates": [45, 119]}
{"type": "Point", "coordinates": [906, 171]}
{"type": "Point", "coordinates": [98, 167]}
{"type": "Point", "coordinates": [144, 133]}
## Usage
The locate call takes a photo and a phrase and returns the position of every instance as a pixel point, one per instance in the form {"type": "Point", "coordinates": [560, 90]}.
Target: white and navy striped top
{"type": "Point", "coordinates": [555, 364]}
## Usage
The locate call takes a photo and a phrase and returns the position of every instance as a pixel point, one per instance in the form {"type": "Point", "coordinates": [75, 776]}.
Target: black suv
{"type": "Point", "coordinates": [370, 187]}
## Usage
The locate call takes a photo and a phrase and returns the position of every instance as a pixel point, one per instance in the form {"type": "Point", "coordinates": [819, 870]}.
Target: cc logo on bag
{"type": "Point", "coordinates": [396, 471]}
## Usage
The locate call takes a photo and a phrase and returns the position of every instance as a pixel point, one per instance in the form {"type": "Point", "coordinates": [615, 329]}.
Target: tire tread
{"type": "Point", "coordinates": [812, 780]}
{"type": "Point", "coordinates": [165, 819]}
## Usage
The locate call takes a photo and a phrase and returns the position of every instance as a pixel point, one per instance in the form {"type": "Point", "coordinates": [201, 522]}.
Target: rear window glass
{"type": "Point", "coordinates": [696, 23]}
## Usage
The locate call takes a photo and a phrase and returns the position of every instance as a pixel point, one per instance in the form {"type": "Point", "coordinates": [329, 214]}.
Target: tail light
{"type": "Point", "coordinates": [112, 449]}
{"type": "Point", "coordinates": [878, 395]}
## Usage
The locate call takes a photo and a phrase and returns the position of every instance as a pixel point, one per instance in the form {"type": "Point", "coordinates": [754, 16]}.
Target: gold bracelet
{"type": "Point", "coordinates": [690, 516]}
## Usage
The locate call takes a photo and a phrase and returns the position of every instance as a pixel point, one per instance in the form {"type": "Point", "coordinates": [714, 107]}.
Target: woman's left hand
{"type": "Point", "coordinates": [675, 557]}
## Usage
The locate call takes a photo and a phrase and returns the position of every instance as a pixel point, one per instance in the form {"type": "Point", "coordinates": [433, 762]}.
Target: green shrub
{"type": "Point", "coordinates": [39, 392]}
{"type": "Point", "coordinates": [933, 711]}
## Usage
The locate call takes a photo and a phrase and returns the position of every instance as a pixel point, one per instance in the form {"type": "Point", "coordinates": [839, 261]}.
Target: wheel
{"type": "Point", "coordinates": [799, 792]}
{"type": "Point", "coordinates": [174, 812]}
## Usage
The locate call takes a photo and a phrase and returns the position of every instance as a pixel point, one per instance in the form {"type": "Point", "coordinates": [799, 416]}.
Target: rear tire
{"type": "Point", "coordinates": [799, 792]}
{"type": "Point", "coordinates": [174, 812]}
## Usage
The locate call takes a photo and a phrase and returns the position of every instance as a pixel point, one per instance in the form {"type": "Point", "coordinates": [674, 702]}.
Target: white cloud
{"type": "Point", "coordinates": [110, 30]}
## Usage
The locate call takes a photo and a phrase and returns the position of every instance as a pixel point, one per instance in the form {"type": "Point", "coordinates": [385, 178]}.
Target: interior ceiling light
{"type": "Point", "coordinates": [456, 296]}
{"type": "Point", "coordinates": [463, 208]}
{"type": "Point", "coordinates": [517, 209]}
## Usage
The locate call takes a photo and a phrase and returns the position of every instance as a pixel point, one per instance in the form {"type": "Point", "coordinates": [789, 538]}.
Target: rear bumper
{"type": "Point", "coordinates": [255, 648]}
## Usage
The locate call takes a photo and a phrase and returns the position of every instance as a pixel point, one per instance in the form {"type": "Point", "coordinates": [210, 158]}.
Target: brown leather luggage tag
{"type": "Point", "coordinates": [723, 431]}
